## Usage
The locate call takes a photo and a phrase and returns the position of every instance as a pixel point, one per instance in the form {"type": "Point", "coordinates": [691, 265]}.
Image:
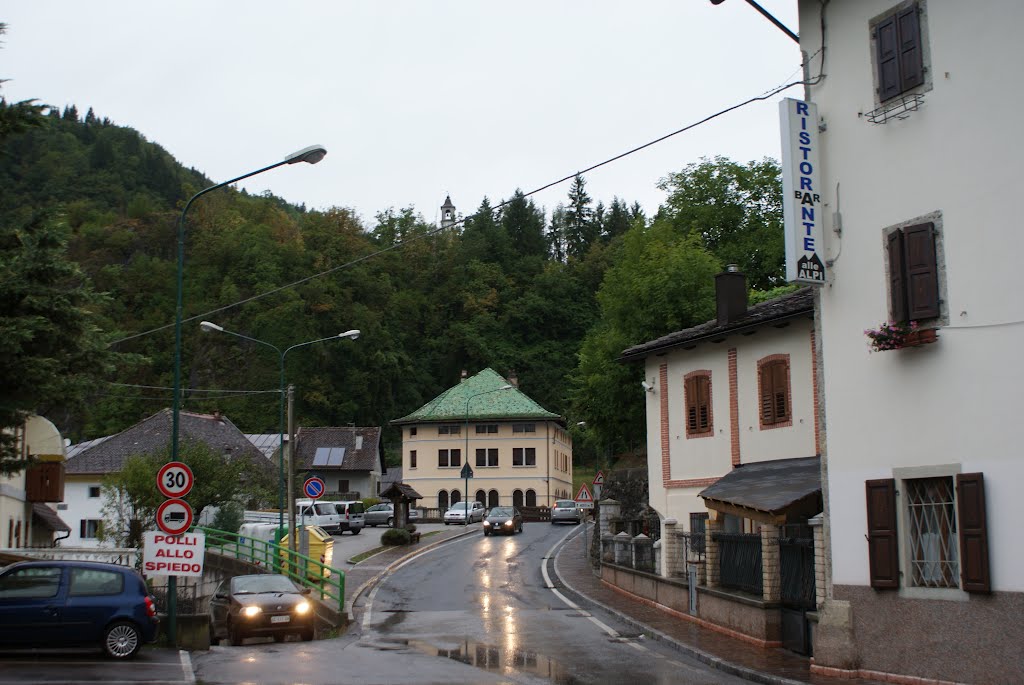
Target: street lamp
{"type": "Point", "coordinates": [466, 471]}
{"type": "Point", "coordinates": [310, 155]}
{"type": "Point", "coordinates": [209, 327]}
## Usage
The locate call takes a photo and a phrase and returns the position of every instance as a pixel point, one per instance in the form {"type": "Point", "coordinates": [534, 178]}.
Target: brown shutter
{"type": "Point", "coordinates": [922, 271]}
{"type": "Point", "coordinates": [883, 550]}
{"type": "Point", "coordinates": [897, 284]}
{"type": "Point", "coordinates": [887, 42]}
{"type": "Point", "coordinates": [766, 394]}
{"type": "Point", "coordinates": [691, 404]}
{"type": "Point", "coordinates": [908, 28]}
{"type": "Point", "coordinates": [970, 503]}
{"type": "Point", "coordinates": [81, 528]}
{"type": "Point", "coordinates": [704, 400]}
{"type": "Point", "coordinates": [780, 388]}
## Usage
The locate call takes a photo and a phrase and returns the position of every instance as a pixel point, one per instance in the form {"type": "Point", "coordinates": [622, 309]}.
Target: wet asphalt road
{"type": "Point", "coordinates": [473, 610]}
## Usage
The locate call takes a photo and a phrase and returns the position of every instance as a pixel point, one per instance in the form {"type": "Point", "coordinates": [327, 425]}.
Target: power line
{"type": "Point", "coordinates": [432, 232]}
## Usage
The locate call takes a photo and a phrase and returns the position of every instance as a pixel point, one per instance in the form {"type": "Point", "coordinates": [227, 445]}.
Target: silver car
{"type": "Point", "coordinates": [384, 514]}
{"type": "Point", "coordinates": [457, 513]}
{"type": "Point", "coordinates": [566, 511]}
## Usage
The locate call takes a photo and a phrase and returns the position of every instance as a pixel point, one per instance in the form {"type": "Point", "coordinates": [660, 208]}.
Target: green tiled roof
{"type": "Point", "coordinates": [485, 398]}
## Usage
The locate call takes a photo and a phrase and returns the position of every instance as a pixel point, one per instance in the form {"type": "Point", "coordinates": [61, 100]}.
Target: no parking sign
{"type": "Point", "coordinates": [314, 487]}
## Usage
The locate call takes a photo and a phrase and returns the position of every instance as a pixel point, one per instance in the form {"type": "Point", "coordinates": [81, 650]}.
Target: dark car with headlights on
{"type": "Point", "coordinates": [503, 520]}
{"type": "Point", "coordinates": [55, 604]}
{"type": "Point", "coordinates": [263, 605]}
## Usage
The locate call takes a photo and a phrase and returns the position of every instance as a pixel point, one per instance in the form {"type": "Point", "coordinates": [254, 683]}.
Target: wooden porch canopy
{"type": "Point", "coordinates": [400, 491]}
{"type": "Point", "coordinates": [768, 491]}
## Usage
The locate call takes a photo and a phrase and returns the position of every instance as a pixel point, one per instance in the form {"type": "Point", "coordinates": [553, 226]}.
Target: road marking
{"type": "Point", "coordinates": [550, 586]}
{"type": "Point", "coordinates": [186, 666]}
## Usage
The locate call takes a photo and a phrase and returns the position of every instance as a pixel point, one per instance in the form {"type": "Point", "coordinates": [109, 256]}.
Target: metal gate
{"type": "Point", "coordinates": [796, 557]}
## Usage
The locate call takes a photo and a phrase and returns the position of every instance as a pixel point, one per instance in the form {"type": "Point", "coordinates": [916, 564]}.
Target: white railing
{"type": "Point", "coordinates": [111, 555]}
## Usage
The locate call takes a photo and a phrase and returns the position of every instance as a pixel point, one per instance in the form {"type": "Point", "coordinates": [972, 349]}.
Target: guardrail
{"type": "Point", "coordinates": [308, 572]}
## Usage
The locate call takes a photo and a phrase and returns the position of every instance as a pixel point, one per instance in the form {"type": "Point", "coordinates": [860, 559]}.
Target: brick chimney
{"type": "Point", "coordinates": [731, 294]}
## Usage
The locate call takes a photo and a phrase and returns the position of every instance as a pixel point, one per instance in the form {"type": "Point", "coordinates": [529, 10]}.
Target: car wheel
{"type": "Point", "coordinates": [235, 636]}
{"type": "Point", "coordinates": [391, 521]}
{"type": "Point", "coordinates": [213, 635]}
{"type": "Point", "coordinates": [355, 531]}
{"type": "Point", "coordinates": [122, 640]}
{"type": "Point", "coordinates": [307, 635]}
{"type": "Point", "coordinates": [446, 523]}
{"type": "Point", "coordinates": [279, 637]}
{"type": "Point", "coordinates": [486, 533]}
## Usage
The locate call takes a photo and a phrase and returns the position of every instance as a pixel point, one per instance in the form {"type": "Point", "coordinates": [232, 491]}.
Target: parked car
{"type": "Point", "coordinates": [262, 605]}
{"type": "Point", "coordinates": [75, 604]}
{"type": "Point", "coordinates": [351, 516]}
{"type": "Point", "coordinates": [505, 520]}
{"type": "Point", "coordinates": [318, 513]}
{"type": "Point", "coordinates": [384, 513]}
{"type": "Point", "coordinates": [566, 510]}
{"type": "Point", "coordinates": [457, 513]}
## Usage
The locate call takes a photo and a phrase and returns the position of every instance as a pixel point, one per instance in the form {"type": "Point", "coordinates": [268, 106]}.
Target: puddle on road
{"type": "Point", "coordinates": [498, 660]}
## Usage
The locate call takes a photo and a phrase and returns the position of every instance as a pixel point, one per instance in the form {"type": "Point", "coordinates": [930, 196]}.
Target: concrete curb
{"type": "Point", "coordinates": [702, 656]}
{"type": "Point", "coordinates": [350, 603]}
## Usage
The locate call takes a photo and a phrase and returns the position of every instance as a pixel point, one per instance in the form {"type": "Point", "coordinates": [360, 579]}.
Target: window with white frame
{"type": "Point", "coordinates": [449, 458]}
{"type": "Point", "coordinates": [524, 456]}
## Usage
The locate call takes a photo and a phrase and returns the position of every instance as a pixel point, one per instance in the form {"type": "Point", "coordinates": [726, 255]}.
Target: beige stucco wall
{"type": "Point", "coordinates": [550, 478]}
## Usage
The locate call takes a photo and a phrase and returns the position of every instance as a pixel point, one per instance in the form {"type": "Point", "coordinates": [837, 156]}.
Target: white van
{"type": "Point", "coordinates": [318, 513]}
{"type": "Point", "coordinates": [350, 516]}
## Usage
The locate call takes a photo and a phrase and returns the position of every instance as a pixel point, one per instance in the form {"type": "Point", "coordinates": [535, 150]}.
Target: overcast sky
{"type": "Point", "coordinates": [416, 99]}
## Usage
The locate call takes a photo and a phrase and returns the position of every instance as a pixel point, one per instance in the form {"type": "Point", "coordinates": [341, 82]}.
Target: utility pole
{"type": "Point", "coordinates": [289, 496]}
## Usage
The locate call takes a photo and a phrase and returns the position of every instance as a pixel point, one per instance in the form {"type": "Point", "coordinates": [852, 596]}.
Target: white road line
{"type": "Point", "coordinates": [186, 667]}
{"type": "Point", "coordinates": [549, 585]}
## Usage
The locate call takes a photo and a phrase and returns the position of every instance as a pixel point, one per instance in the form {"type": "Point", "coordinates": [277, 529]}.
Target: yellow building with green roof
{"type": "Point", "coordinates": [520, 453]}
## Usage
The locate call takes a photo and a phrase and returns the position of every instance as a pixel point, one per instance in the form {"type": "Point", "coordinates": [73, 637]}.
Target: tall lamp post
{"type": "Point", "coordinates": [485, 392]}
{"type": "Point", "coordinates": [310, 155]}
{"type": "Point", "coordinates": [214, 328]}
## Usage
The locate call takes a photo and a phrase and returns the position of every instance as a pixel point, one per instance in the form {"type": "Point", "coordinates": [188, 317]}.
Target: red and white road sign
{"type": "Point", "coordinates": [584, 494]}
{"type": "Point", "coordinates": [174, 479]}
{"type": "Point", "coordinates": [174, 516]}
{"type": "Point", "coordinates": [599, 478]}
{"type": "Point", "coordinates": [173, 555]}
{"type": "Point", "coordinates": [314, 487]}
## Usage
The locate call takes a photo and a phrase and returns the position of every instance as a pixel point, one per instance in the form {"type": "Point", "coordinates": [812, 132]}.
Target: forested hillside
{"type": "Point", "coordinates": [553, 295]}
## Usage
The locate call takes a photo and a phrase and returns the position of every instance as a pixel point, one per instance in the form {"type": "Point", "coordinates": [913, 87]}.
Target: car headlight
{"type": "Point", "coordinates": [508, 523]}
{"type": "Point", "coordinates": [487, 524]}
{"type": "Point", "coordinates": [302, 607]}
{"type": "Point", "coordinates": [251, 611]}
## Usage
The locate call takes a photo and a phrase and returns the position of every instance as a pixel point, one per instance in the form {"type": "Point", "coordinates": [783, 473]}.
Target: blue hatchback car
{"type": "Point", "coordinates": [74, 604]}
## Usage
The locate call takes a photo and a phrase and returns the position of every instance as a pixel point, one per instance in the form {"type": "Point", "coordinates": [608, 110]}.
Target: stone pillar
{"type": "Point", "coordinates": [607, 548]}
{"type": "Point", "coordinates": [712, 559]}
{"type": "Point", "coordinates": [657, 558]}
{"type": "Point", "coordinates": [771, 569]}
{"type": "Point", "coordinates": [610, 511]}
{"type": "Point", "coordinates": [671, 553]}
{"type": "Point", "coordinates": [641, 551]}
{"type": "Point", "coordinates": [819, 559]}
{"type": "Point", "coordinates": [623, 553]}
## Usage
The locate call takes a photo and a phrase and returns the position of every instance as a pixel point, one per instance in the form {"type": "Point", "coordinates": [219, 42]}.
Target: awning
{"type": "Point", "coordinates": [48, 517]}
{"type": "Point", "coordinates": [768, 486]}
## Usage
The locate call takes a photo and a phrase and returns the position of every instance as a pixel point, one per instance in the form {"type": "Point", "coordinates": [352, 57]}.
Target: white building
{"type": "Point", "coordinates": [920, 140]}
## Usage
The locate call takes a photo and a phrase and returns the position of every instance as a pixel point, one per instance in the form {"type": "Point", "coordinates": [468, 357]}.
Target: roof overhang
{"type": "Point", "coordinates": [766, 491]}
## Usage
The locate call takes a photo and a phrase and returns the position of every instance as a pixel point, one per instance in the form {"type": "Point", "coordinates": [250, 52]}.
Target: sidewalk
{"type": "Point", "coordinates": [760, 665]}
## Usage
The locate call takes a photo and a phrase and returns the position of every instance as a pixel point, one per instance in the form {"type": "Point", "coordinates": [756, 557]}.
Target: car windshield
{"type": "Point", "coordinates": [262, 583]}
{"type": "Point", "coordinates": [501, 511]}
{"type": "Point", "coordinates": [565, 503]}
{"type": "Point", "coordinates": [458, 508]}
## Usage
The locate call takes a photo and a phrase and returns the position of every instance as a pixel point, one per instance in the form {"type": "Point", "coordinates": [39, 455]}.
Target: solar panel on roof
{"type": "Point", "coordinates": [322, 456]}
{"type": "Point", "coordinates": [337, 455]}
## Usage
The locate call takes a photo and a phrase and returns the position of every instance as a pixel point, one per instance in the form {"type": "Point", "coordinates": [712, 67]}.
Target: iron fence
{"type": "Point", "coordinates": [740, 561]}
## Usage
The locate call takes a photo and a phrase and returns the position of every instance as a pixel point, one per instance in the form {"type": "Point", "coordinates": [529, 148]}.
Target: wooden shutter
{"type": "Point", "coordinates": [908, 29]}
{"type": "Point", "coordinates": [704, 404]}
{"type": "Point", "coordinates": [897, 283]}
{"type": "Point", "coordinates": [970, 511]}
{"type": "Point", "coordinates": [691, 405]}
{"type": "Point", "coordinates": [887, 42]}
{"type": "Point", "coordinates": [82, 528]}
{"type": "Point", "coordinates": [922, 284]}
{"type": "Point", "coordinates": [780, 390]}
{"type": "Point", "coordinates": [883, 550]}
{"type": "Point", "coordinates": [767, 415]}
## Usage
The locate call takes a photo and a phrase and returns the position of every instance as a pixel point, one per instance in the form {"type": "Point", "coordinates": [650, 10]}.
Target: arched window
{"type": "Point", "coordinates": [442, 500]}
{"type": "Point", "coordinates": [481, 497]}
{"type": "Point", "coordinates": [456, 497]}
{"type": "Point", "coordinates": [517, 498]}
{"type": "Point", "coordinates": [492, 498]}
{"type": "Point", "coordinates": [531, 498]}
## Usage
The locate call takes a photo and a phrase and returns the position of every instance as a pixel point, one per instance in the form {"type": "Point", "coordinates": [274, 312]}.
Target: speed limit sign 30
{"type": "Point", "coordinates": [174, 479]}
